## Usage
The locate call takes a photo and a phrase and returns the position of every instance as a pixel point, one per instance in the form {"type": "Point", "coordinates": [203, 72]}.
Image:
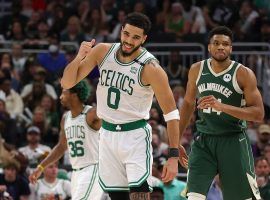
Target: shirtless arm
{"type": "Point", "coordinates": [254, 110]}
{"type": "Point", "coordinates": [56, 153]}
{"type": "Point", "coordinates": [92, 119]}
{"type": "Point", "coordinates": [154, 75]}
{"type": "Point", "coordinates": [85, 61]}
{"type": "Point", "coordinates": [189, 102]}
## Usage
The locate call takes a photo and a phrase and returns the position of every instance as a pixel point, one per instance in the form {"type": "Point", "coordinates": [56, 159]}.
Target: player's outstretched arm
{"type": "Point", "coordinates": [87, 58]}
{"type": "Point", "coordinates": [253, 111]}
{"type": "Point", "coordinates": [56, 153]}
{"type": "Point", "coordinates": [154, 75]}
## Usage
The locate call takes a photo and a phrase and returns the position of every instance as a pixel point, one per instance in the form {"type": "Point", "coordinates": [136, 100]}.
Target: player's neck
{"type": "Point", "coordinates": [50, 180]}
{"type": "Point", "coordinates": [33, 145]}
{"type": "Point", "coordinates": [220, 66]}
{"type": "Point", "coordinates": [127, 59]}
{"type": "Point", "coordinates": [77, 110]}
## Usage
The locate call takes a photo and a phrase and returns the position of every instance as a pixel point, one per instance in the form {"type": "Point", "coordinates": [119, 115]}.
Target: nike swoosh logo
{"type": "Point", "coordinates": [240, 140]}
{"type": "Point", "coordinates": [204, 74]}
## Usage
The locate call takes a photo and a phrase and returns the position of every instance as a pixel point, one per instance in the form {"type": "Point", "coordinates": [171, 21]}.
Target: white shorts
{"type": "Point", "coordinates": [125, 158]}
{"type": "Point", "coordinates": [85, 185]}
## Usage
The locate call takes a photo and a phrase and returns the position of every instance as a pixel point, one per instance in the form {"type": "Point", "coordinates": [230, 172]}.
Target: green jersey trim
{"type": "Point", "coordinates": [111, 188]}
{"type": "Point", "coordinates": [220, 73]}
{"type": "Point", "coordinates": [126, 64]}
{"type": "Point", "coordinates": [200, 71]}
{"type": "Point", "coordinates": [123, 127]}
{"type": "Point", "coordinates": [106, 56]}
{"type": "Point", "coordinates": [234, 81]}
{"type": "Point", "coordinates": [148, 159]}
{"type": "Point", "coordinates": [91, 184]}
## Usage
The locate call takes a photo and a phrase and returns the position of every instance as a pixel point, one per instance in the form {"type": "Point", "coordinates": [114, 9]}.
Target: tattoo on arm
{"type": "Point", "coordinates": [140, 196]}
{"type": "Point", "coordinates": [152, 62]}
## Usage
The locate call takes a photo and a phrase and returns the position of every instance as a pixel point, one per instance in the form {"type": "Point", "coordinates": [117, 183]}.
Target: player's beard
{"type": "Point", "coordinates": [126, 54]}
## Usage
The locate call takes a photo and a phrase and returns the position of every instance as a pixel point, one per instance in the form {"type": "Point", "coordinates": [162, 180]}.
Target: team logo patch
{"type": "Point", "coordinates": [133, 70]}
{"type": "Point", "coordinates": [227, 77]}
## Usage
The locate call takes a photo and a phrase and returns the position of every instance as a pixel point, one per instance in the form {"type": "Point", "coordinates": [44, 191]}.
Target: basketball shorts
{"type": "Point", "coordinates": [229, 156]}
{"type": "Point", "coordinates": [125, 155]}
{"type": "Point", "coordinates": [85, 184]}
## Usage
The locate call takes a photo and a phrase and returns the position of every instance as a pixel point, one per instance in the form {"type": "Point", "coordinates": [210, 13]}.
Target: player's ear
{"type": "Point", "coordinates": [144, 39]}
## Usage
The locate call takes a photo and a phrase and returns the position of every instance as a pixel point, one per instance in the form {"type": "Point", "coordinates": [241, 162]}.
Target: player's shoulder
{"type": "Point", "coordinates": [244, 72]}
{"type": "Point", "coordinates": [195, 68]}
{"type": "Point", "coordinates": [104, 47]}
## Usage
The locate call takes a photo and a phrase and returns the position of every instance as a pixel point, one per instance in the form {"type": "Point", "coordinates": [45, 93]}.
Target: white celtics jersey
{"type": "Point", "coordinates": [43, 189]}
{"type": "Point", "coordinates": [82, 140]}
{"type": "Point", "coordinates": [121, 96]}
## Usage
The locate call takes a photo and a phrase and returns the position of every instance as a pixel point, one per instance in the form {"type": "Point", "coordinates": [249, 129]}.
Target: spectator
{"type": "Point", "coordinates": [52, 118]}
{"type": "Point", "coordinates": [115, 34]}
{"type": "Point", "coordinates": [266, 152]}
{"type": "Point", "coordinates": [53, 61]}
{"type": "Point", "coordinates": [176, 71]}
{"type": "Point", "coordinates": [8, 128]}
{"type": "Point", "coordinates": [34, 150]}
{"type": "Point", "coordinates": [39, 75]}
{"type": "Point", "coordinates": [159, 148]}
{"type": "Point", "coordinates": [178, 93]}
{"type": "Point", "coordinates": [215, 192]}
{"type": "Point", "coordinates": [14, 102]}
{"type": "Point", "coordinates": [247, 23]}
{"type": "Point", "coordinates": [263, 133]}
{"type": "Point", "coordinates": [176, 23]}
{"type": "Point", "coordinates": [262, 170]}
{"type": "Point", "coordinates": [174, 190]}
{"type": "Point", "coordinates": [18, 58]}
{"type": "Point", "coordinates": [50, 187]}
{"type": "Point", "coordinates": [33, 99]}
{"type": "Point", "coordinates": [12, 183]}
{"type": "Point", "coordinates": [73, 32]}
{"type": "Point", "coordinates": [16, 33]}
{"type": "Point", "coordinates": [96, 28]}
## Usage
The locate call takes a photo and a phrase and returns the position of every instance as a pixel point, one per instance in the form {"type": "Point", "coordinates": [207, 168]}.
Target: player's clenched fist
{"type": "Point", "coordinates": [85, 48]}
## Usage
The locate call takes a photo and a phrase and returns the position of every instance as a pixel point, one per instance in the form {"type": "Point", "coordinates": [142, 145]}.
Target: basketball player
{"type": "Point", "coordinates": [79, 134]}
{"type": "Point", "coordinates": [129, 77]}
{"type": "Point", "coordinates": [228, 96]}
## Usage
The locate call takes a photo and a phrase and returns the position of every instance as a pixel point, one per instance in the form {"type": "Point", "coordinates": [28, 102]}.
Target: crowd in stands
{"type": "Point", "coordinates": [30, 110]}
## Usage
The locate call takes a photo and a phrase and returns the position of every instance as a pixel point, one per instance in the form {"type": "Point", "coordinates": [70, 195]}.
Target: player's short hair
{"type": "Point", "coordinates": [220, 30]}
{"type": "Point", "coordinates": [139, 20]}
{"type": "Point", "coordinates": [82, 89]}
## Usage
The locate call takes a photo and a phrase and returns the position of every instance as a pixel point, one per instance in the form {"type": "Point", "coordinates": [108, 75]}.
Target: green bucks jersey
{"type": "Point", "coordinates": [82, 140]}
{"type": "Point", "coordinates": [224, 87]}
{"type": "Point", "coordinates": [121, 96]}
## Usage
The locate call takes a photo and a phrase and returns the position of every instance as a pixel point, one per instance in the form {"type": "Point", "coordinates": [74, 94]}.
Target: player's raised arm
{"type": "Point", "coordinates": [84, 62]}
{"type": "Point", "coordinates": [56, 153]}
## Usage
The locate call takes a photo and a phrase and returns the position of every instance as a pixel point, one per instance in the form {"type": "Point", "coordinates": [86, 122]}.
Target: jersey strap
{"type": "Point", "coordinates": [124, 127]}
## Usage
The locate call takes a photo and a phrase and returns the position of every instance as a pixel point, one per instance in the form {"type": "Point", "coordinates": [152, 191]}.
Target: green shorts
{"type": "Point", "coordinates": [230, 157]}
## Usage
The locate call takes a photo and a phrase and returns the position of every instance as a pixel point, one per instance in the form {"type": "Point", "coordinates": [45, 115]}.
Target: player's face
{"type": "Point", "coordinates": [220, 47]}
{"type": "Point", "coordinates": [132, 38]}
{"type": "Point", "coordinates": [64, 98]}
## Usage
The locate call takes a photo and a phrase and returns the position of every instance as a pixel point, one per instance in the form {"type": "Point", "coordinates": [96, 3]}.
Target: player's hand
{"type": "Point", "coordinates": [35, 175]}
{"type": "Point", "coordinates": [85, 48]}
{"type": "Point", "coordinates": [170, 170]}
{"type": "Point", "coordinates": [209, 101]}
{"type": "Point", "coordinates": [183, 158]}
